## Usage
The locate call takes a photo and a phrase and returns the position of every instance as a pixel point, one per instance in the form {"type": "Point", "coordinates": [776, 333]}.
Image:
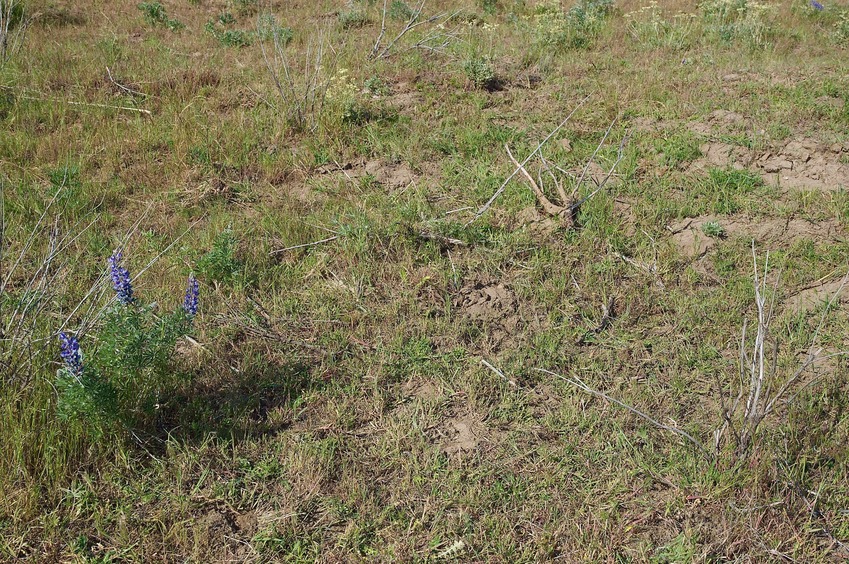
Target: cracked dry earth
{"type": "Point", "coordinates": [797, 164]}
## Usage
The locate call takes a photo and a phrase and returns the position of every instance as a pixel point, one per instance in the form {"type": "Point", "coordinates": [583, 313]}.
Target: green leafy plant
{"type": "Point", "coordinates": [575, 29]}
{"type": "Point", "coordinates": [228, 37]}
{"type": "Point", "coordinates": [220, 263]}
{"type": "Point", "coordinates": [375, 86]}
{"type": "Point", "coordinates": [746, 20]}
{"type": "Point", "coordinates": [154, 14]}
{"type": "Point", "coordinates": [130, 372]}
{"type": "Point", "coordinates": [480, 73]}
{"type": "Point", "coordinates": [353, 18]}
{"type": "Point", "coordinates": [489, 7]}
{"type": "Point", "coordinates": [713, 229]}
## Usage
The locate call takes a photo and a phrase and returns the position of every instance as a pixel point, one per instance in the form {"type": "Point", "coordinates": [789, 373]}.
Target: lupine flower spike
{"type": "Point", "coordinates": [69, 350]}
{"type": "Point", "coordinates": [817, 6]}
{"type": "Point", "coordinates": [190, 302]}
{"type": "Point", "coordinates": [120, 279]}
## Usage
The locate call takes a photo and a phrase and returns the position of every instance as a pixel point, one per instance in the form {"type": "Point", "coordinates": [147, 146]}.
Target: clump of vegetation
{"type": "Point", "coordinates": [246, 7]}
{"type": "Point", "coordinates": [305, 87]}
{"type": "Point", "coordinates": [375, 86]}
{"type": "Point", "coordinates": [400, 11]}
{"type": "Point", "coordinates": [127, 375]}
{"type": "Point", "coordinates": [649, 27]}
{"type": "Point", "coordinates": [268, 29]}
{"type": "Point", "coordinates": [220, 263]}
{"type": "Point", "coordinates": [749, 21]}
{"type": "Point", "coordinates": [841, 28]}
{"type": "Point", "coordinates": [352, 18]}
{"type": "Point", "coordinates": [480, 73]}
{"type": "Point", "coordinates": [489, 7]}
{"type": "Point", "coordinates": [678, 149]}
{"type": "Point", "coordinates": [713, 229]}
{"type": "Point", "coordinates": [155, 14]}
{"type": "Point", "coordinates": [220, 30]}
{"type": "Point", "coordinates": [729, 185]}
{"type": "Point", "coordinates": [576, 28]}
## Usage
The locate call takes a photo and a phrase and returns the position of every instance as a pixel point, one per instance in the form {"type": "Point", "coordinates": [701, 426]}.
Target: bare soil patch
{"type": "Point", "coordinates": [692, 242]}
{"type": "Point", "coordinates": [811, 297]}
{"type": "Point", "coordinates": [722, 120]}
{"type": "Point", "coordinates": [801, 163]}
{"type": "Point", "coordinates": [404, 97]}
{"type": "Point", "coordinates": [536, 222]}
{"type": "Point", "coordinates": [386, 173]}
{"type": "Point", "coordinates": [806, 164]}
{"type": "Point", "coordinates": [461, 434]}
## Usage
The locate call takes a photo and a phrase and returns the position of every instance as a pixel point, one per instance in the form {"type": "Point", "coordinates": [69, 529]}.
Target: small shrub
{"type": "Point", "coordinates": [375, 86]}
{"type": "Point", "coordinates": [353, 18]}
{"type": "Point", "coordinates": [575, 29]}
{"type": "Point", "coordinates": [229, 37]}
{"type": "Point", "coordinates": [480, 73]}
{"type": "Point", "coordinates": [130, 371]}
{"type": "Point", "coordinates": [154, 14]}
{"type": "Point", "coordinates": [489, 7]}
{"type": "Point", "coordinates": [745, 20]}
{"type": "Point", "coordinates": [220, 263]}
{"type": "Point", "coordinates": [268, 29]}
{"type": "Point", "coordinates": [235, 38]}
{"type": "Point", "coordinates": [399, 10]}
{"type": "Point", "coordinates": [713, 229]}
{"type": "Point", "coordinates": [356, 112]}
{"type": "Point", "coordinates": [303, 84]}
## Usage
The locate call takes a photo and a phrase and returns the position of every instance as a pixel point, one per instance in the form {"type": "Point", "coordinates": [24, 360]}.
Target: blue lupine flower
{"type": "Point", "coordinates": [120, 279]}
{"type": "Point", "coordinates": [817, 6]}
{"type": "Point", "coordinates": [69, 350]}
{"type": "Point", "coordinates": [190, 302]}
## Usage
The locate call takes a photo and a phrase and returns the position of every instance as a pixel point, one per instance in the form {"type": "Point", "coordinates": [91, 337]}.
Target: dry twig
{"type": "Point", "coordinates": [483, 209]}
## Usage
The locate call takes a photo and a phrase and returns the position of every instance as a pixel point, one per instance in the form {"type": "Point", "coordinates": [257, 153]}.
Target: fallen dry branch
{"type": "Point", "coordinates": [483, 209]}
{"type": "Point", "coordinates": [442, 239]}
{"type": "Point", "coordinates": [567, 207]}
{"type": "Point", "coordinates": [381, 51]}
{"type": "Point", "coordinates": [304, 245]}
{"type": "Point", "coordinates": [608, 314]}
{"type": "Point", "coordinates": [43, 98]}
{"type": "Point", "coordinates": [578, 383]}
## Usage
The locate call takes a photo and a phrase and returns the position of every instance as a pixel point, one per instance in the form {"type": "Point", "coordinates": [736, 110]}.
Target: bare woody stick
{"type": "Point", "coordinates": [518, 169]}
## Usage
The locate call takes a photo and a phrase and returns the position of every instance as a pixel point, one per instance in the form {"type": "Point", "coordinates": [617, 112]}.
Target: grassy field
{"type": "Point", "coordinates": [382, 368]}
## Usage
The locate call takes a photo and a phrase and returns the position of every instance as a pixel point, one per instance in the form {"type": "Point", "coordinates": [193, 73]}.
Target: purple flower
{"type": "Point", "coordinates": [120, 279]}
{"type": "Point", "coordinates": [69, 350]}
{"type": "Point", "coordinates": [190, 302]}
{"type": "Point", "coordinates": [817, 6]}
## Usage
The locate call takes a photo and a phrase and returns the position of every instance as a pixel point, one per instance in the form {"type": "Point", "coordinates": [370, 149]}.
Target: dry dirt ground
{"type": "Point", "coordinates": [382, 370]}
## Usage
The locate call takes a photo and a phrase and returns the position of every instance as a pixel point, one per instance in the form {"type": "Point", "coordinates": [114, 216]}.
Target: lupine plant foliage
{"type": "Point", "coordinates": [126, 377]}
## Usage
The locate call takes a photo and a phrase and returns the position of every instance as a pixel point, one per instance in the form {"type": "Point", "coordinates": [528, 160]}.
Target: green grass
{"type": "Point", "coordinates": [332, 403]}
